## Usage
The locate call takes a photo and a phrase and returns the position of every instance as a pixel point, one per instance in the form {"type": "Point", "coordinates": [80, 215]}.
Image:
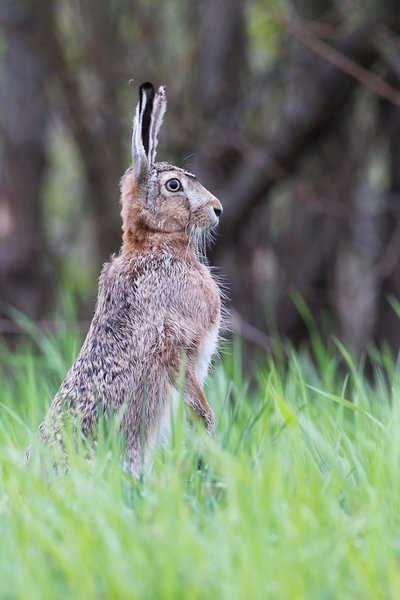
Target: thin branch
{"type": "Point", "coordinates": [364, 76]}
{"type": "Point", "coordinates": [333, 82]}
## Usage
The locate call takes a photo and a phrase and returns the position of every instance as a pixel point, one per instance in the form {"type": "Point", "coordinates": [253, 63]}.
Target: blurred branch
{"type": "Point", "coordinates": [319, 103]}
{"type": "Point", "coordinates": [248, 332]}
{"type": "Point", "coordinates": [364, 76]}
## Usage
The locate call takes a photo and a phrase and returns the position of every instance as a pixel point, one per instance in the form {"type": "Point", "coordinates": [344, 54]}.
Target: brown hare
{"type": "Point", "coordinates": [157, 303]}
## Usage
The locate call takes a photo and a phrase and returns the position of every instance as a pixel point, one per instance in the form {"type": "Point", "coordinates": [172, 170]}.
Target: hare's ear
{"type": "Point", "coordinates": [159, 108]}
{"type": "Point", "coordinates": [146, 124]}
{"type": "Point", "coordinates": [141, 130]}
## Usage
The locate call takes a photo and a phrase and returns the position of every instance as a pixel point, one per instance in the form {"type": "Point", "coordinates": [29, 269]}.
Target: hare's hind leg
{"type": "Point", "coordinates": [148, 423]}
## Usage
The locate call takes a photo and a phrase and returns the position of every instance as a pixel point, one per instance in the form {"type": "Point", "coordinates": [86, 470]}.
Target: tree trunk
{"type": "Point", "coordinates": [23, 114]}
{"type": "Point", "coordinates": [95, 129]}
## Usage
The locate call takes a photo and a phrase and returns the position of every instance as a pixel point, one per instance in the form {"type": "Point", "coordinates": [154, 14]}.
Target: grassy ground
{"type": "Point", "coordinates": [298, 496]}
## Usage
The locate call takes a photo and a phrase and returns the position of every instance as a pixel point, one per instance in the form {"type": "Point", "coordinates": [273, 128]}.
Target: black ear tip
{"type": "Point", "coordinates": [147, 88]}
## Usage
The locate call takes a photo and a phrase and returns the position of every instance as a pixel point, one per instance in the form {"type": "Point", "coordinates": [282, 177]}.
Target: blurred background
{"type": "Point", "coordinates": [287, 110]}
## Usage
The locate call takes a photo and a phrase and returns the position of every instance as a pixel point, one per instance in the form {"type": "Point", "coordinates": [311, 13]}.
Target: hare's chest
{"type": "Point", "coordinates": [207, 348]}
{"type": "Point", "coordinates": [209, 340]}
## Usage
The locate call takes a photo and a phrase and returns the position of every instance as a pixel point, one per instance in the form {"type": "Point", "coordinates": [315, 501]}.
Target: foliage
{"type": "Point", "coordinates": [297, 496]}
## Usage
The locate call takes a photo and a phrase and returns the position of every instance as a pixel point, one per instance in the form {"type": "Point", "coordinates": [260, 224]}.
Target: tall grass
{"type": "Point", "coordinates": [297, 495]}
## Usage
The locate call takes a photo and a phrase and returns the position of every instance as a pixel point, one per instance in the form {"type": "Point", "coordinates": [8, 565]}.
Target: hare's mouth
{"type": "Point", "coordinates": [204, 222]}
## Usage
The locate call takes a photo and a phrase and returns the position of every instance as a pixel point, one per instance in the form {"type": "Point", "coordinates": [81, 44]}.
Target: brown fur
{"type": "Point", "coordinates": [157, 302]}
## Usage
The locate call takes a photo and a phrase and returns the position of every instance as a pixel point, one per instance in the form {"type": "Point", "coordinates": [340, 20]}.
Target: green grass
{"type": "Point", "coordinates": [298, 495]}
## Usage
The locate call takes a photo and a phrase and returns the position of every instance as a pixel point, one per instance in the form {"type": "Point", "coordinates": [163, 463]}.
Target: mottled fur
{"type": "Point", "coordinates": [157, 302]}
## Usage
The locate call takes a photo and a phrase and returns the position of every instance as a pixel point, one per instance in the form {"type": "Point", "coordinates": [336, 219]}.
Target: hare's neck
{"type": "Point", "coordinates": [140, 240]}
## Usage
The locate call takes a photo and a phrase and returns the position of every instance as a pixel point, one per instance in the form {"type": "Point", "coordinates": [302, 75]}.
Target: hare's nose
{"type": "Point", "coordinates": [218, 212]}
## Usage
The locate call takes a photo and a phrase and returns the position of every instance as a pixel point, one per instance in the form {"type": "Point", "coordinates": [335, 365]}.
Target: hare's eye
{"type": "Point", "coordinates": [173, 185]}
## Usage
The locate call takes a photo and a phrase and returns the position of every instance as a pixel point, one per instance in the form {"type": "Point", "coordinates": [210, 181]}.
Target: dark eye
{"type": "Point", "coordinates": [173, 185]}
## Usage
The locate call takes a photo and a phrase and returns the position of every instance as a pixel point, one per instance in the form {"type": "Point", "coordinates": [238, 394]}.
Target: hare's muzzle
{"type": "Point", "coordinates": [216, 208]}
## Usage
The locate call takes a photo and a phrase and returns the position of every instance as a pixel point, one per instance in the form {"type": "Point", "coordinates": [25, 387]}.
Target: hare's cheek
{"type": "Point", "coordinates": [182, 213]}
{"type": "Point", "coordinates": [174, 214]}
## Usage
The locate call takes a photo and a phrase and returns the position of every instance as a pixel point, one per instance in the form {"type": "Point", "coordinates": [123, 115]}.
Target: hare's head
{"type": "Point", "coordinates": [159, 197]}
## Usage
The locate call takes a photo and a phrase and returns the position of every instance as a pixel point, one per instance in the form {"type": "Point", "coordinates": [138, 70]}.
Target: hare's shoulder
{"type": "Point", "coordinates": [151, 285]}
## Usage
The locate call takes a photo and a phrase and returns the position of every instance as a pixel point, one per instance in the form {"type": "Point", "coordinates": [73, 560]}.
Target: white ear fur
{"type": "Point", "coordinates": [148, 119]}
{"type": "Point", "coordinates": [159, 108]}
{"type": "Point", "coordinates": [139, 160]}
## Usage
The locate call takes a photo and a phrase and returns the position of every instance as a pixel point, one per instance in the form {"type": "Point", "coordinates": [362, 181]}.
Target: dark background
{"type": "Point", "coordinates": [289, 111]}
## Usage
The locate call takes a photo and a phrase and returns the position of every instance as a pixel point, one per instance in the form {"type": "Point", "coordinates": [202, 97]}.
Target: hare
{"type": "Point", "coordinates": [157, 303]}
